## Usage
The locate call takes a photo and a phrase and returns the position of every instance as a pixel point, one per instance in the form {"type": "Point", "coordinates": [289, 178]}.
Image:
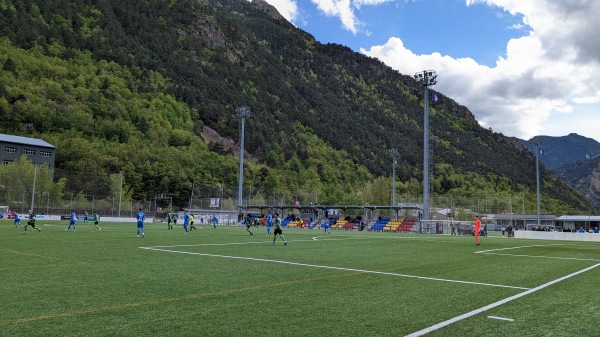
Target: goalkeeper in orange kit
{"type": "Point", "coordinates": [477, 229]}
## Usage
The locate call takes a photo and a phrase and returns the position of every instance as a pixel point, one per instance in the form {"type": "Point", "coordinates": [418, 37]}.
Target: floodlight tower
{"type": "Point", "coordinates": [537, 177]}
{"type": "Point", "coordinates": [242, 113]}
{"type": "Point", "coordinates": [426, 78]}
{"type": "Point", "coordinates": [394, 154]}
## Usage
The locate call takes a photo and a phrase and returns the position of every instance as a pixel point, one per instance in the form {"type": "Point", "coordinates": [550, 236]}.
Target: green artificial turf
{"type": "Point", "coordinates": [224, 282]}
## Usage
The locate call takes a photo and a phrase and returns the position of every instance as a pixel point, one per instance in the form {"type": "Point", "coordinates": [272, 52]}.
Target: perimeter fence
{"type": "Point", "coordinates": [56, 192]}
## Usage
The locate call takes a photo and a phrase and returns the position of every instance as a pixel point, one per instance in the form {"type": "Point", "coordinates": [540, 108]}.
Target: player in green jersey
{"type": "Point", "coordinates": [30, 222]}
{"type": "Point", "coordinates": [278, 230]}
{"type": "Point", "coordinates": [248, 223]}
{"type": "Point", "coordinates": [96, 222]}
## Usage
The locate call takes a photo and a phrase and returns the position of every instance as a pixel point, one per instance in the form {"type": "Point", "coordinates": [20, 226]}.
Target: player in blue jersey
{"type": "Point", "coordinates": [214, 221]}
{"type": "Point", "coordinates": [17, 221]}
{"type": "Point", "coordinates": [269, 222]}
{"type": "Point", "coordinates": [327, 226]}
{"type": "Point", "coordinates": [72, 221]}
{"type": "Point", "coordinates": [140, 217]}
{"type": "Point", "coordinates": [186, 221]}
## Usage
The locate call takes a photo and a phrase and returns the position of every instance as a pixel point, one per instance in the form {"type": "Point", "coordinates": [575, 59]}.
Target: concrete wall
{"type": "Point", "coordinates": [560, 236]}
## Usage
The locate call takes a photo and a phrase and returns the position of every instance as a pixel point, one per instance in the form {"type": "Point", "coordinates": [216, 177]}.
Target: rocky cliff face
{"type": "Point", "coordinates": [267, 8]}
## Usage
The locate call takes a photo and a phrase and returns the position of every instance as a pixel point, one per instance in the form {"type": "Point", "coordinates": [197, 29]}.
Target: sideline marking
{"type": "Point", "coordinates": [334, 268]}
{"type": "Point", "coordinates": [502, 318]}
{"type": "Point", "coordinates": [496, 304]}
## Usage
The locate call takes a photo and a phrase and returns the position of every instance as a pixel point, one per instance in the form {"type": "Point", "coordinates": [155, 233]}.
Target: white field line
{"type": "Point", "coordinates": [545, 257]}
{"type": "Point", "coordinates": [334, 268]}
{"type": "Point", "coordinates": [509, 248]}
{"type": "Point", "coordinates": [496, 304]}
{"type": "Point", "coordinates": [314, 238]}
{"type": "Point", "coordinates": [492, 252]}
{"type": "Point", "coordinates": [502, 318]}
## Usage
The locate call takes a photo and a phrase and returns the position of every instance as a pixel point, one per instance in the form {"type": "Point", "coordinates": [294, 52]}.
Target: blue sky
{"type": "Point", "coordinates": [479, 32]}
{"type": "Point", "coordinates": [523, 67]}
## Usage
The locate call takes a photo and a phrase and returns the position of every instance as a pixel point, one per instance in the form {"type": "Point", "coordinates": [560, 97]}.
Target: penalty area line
{"type": "Point", "coordinates": [334, 268]}
{"type": "Point", "coordinates": [496, 304]}
{"type": "Point", "coordinates": [510, 248]}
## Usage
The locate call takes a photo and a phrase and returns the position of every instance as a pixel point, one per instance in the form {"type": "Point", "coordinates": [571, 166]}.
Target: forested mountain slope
{"type": "Point", "coordinates": [561, 151]}
{"type": "Point", "coordinates": [128, 85]}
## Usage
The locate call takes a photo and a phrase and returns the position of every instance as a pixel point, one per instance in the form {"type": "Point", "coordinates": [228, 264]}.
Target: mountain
{"type": "Point", "coordinates": [560, 151]}
{"type": "Point", "coordinates": [583, 176]}
{"type": "Point", "coordinates": [133, 87]}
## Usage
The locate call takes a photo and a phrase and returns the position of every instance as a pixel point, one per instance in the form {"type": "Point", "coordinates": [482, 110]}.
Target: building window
{"type": "Point", "coordinates": [45, 154]}
{"type": "Point", "coordinates": [29, 152]}
{"type": "Point", "coordinates": [10, 149]}
{"type": "Point", "coordinates": [6, 162]}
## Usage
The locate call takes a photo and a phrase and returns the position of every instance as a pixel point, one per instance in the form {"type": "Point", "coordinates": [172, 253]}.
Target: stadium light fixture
{"type": "Point", "coordinates": [426, 78]}
{"type": "Point", "coordinates": [242, 113]}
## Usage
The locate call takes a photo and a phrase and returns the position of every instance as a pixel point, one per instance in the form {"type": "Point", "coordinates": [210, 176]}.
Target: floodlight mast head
{"type": "Point", "coordinates": [242, 112]}
{"type": "Point", "coordinates": [426, 77]}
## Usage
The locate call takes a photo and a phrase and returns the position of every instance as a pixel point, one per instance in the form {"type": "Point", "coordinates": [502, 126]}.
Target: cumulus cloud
{"type": "Point", "coordinates": [344, 10]}
{"type": "Point", "coordinates": [550, 72]}
{"type": "Point", "coordinates": [545, 79]}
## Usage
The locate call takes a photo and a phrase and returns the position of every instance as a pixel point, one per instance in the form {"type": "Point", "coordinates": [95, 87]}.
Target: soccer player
{"type": "Point", "coordinates": [30, 222]}
{"type": "Point", "coordinates": [477, 229]}
{"type": "Point", "coordinates": [192, 222]}
{"type": "Point", "coordinates": [174, 218]}
{"type": "Point", "coordinates": [17, 221]}
{"type": "Point", "coordinates": [140, 216]}
{"type": "Point", "coordinates": [248, 223]}
{"type": "Point", "coordinates": [327, 226]}
{"type": "Point", "coordinates": [214, 221]}
{"type": "Point", "coordinates": [96, 221]}
{"type": "Point", "coordinates": [278, 230]}
{"type": "Point", "coordinates": [269, 222]}
{"type": "Point", "coordinates": [169, 219]}
{"type": "Point", "coordinates": [186, 221]}
{"type": "Point", "coordinates": [72, 221]}
{"type": "Point", "coordinates": [85, 218]}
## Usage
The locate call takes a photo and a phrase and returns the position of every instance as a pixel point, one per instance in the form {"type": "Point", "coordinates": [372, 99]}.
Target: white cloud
{"type": "Point", "coordinates": [544, 75]}
{"type": "Point", "coordinates": [341, 9]}
{"type": "Point", "coordinates": [550, 73]}
{"type": "Point", "coordinates": [344, 9]}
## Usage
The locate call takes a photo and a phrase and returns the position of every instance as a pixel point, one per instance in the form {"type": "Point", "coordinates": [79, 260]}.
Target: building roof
{"type": "Point", "coordinates": [578, 218]}
{"type": "Point", "coordinates": [25, 141]}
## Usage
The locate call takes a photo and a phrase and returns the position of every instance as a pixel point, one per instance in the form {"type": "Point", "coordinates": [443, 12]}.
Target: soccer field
{"type": "Point", "coordinates": [224, 282]}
